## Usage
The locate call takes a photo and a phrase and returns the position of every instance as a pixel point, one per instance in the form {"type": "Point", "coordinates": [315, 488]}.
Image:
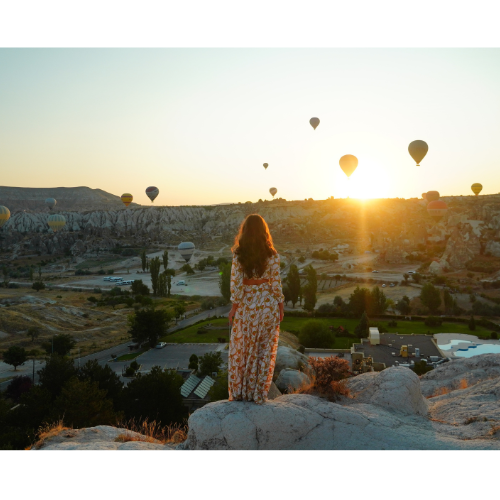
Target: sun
{"type": "Point", "coordinates": [370, 182]}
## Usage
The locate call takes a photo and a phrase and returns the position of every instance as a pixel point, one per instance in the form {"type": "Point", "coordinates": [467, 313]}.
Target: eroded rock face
{"type": "Point", "coordinates": [462, 246]}
{"type": "Point", "coordinates": [289, 378]}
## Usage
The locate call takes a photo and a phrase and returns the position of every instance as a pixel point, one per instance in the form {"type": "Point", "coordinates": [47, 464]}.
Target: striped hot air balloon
{"type": "Point", "coordinates": [476, 188]}
{"type": "Point", "coordinates": [152, 192]}
{"type": "Point", "coordinates": [4, 215]}
{"type": "Point", "coordinates": [437, 209]}
{"type": "Point", "coordinates": [56, 222]}
{"type": "Point", "coordinates": [127, 199]}
{"type": "Point", "coordinates": [186, 249]}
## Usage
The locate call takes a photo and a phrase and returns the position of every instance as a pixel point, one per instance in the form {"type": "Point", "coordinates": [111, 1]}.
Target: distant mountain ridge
{"type": "Point", "coordinates": [68, 198]}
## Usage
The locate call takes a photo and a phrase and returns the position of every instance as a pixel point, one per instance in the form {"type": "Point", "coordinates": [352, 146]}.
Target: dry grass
{"type": "Point", "coordinates": [152, 432]}
{"type": "Point", "coordinates": [463, 384]}
{"type": "Point", "coordinates": [47, 431]}
{"type": "Point", "coordinates": [440, 391]}
{"type": "Point", "coordinates": [333, 392]}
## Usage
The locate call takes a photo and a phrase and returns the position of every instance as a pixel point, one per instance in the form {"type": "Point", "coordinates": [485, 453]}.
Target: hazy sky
{"type": "Point", "coordinates": [199, 123]}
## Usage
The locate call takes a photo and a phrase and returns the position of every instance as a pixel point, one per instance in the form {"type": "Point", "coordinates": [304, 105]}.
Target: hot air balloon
{"type": "Point", "coordinates": [314, 122]}
{"type": "Point", "coordinates": [437, 209]}
{"type": "Point", "coordinates": [432, 195]}
{"type": "Point", "coordinates": [4, 215]}
{"type": "Point", "coordinates": [56, 222]}
{"type": "Point", "coordinates": [273, 191]}
{"type": "Point", "coordinates": [424, 196]}
{"type": "Point", "coordinates": [152, 192]}
{"type": "Point", "coordinates": [348, 164]}
{"type": "Point", "coordinates": [51, 203]}
{"type": "Point", "coordinates": [265, 165]}
{"type": "Point", "coordinates": [476, 188]}
{"type": "Point", "coordinates": [127, 199]}
{"type": "Point", "coordinates": [186, 249]}
{"type": "Point", "coordinates": [418, 150]}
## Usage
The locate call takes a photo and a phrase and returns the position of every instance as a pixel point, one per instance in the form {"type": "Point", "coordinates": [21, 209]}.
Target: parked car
{"type": "Point", "coordinates": [383, 285]}
{"type": "Point", "coordinates": [374, 271]}
{"type": "Point", "coordinates": [392, 284]}
{"type": "Point", "coordinates": [107, 278]}
{"type": "Point", "coordinates": [411, 272]}
{"type": "Point", "coordinates": [160, 345]}
{"type": "Point", "coordinates": [181, 282]}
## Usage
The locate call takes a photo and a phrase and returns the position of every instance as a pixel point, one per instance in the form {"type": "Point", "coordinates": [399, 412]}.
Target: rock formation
{"type": "Point", "coordinates": [289, 378]}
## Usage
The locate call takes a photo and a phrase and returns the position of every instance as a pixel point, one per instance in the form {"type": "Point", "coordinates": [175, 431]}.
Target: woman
{"type": "Point", "coordinates": [256, 313]}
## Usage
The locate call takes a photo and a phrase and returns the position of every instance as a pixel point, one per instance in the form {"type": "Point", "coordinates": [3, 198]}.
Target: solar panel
{"type": "Point", "coordinates": [189, 385]}
{"type": "Point", "coordinates": [202, 390]}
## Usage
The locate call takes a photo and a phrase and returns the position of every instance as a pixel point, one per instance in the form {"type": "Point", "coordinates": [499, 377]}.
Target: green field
{"type": "Point", "coordinates": [189, 335]}
{"type": "Point", "coordinates": [293, 325]}
{"type": "Point", "coordinates": [132, 355]}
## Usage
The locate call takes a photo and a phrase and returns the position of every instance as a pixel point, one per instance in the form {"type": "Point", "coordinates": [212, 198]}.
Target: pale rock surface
{"type": "Point", "coordinates": [437, 267]}
{"type": "Point", "coordinates": [449, 375]}
{"type": "Point", "coordinates": [101, 437]}
{"type": "Point", "coordinates": [493, 247]}
{"type": "Point", "coordinates": [462, 246]}
{"type": "Point", "coordinates": [289, 358]}
{"type": "Point", "coordinates": [291, 378]}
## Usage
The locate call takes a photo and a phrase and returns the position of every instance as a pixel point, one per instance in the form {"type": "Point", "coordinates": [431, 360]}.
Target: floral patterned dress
{"type": "Point", "coordinates": [255, 332]}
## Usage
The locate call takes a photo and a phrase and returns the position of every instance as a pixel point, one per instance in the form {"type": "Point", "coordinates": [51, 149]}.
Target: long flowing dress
{"type": "Point", "coordinates": [255, 333]}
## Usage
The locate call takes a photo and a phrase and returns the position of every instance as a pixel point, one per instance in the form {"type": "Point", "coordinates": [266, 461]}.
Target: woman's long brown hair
{"type": "Point", "coordinates": [253, 245]}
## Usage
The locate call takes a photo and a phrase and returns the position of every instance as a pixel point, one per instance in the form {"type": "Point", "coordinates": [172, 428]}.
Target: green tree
{"type": "Point", "coordinates": [162, 285]}
{"type": "Point", "coordinates": [165, 260]}
{"type": "Point", "coordinates": [33, 332]}
{"type": "Point", "coordinates": [417, 278]}
{"type": "Point", "coordinates": [15, 356]}
{"type": "Point", "coordinates": [472, 298]}
{"type": "Point", "coordinates": [377, 302]}
{"type": "Point", "coordinates": [220, 390]}
{"type": "Point", "coordinates": [60, 344]}
{"type": "Point", "coordinates": [170, 273]}
{"type": "Point", "coordinates": [188, 269]}
{"type": "Point", "coordinates": [193, 362]}
{"type": "Point", "coordinates": [310, 289]}
{"type": "Point", "coordinates": [315, 333]}
{"type": "Point", "coordinates": [293, 282]}
{"type": "Point", "coordinates": [82, 404]}
{"type": "Point", "coordinates": [31, 273]}
{"type": "Point", "coordinates": [179, 310]}
{"type": "Point", "coordinates": [225, 281]}
{"type": "Point", "coordinates": [139, 288]}
{"type": "Point", "coordinates": [144, 260]}
{"type": "Point", "coordinates": [286, 293]}
{"type": "Point", "coordinates": [403, 305]}
{"type": "Point", "coordinates": [56, 372]}
{"type": "Point", "coordinates": [472, 323]}
{"type": "Point", "coordinates": [155, 396]}
{"type": "Point", "coordinates": [301, 259]}
{"type": "Point", "coordinates": [449, 302]}
{"type": "Point", "coordinates": [210, 362]}
{"type": "Point", "coordinates": [406, 277]}
{"type": "Point", "coordinates": [5, 272]}
{"type": "Point", "coordinates": [105, 377]}
{"type": "Point", "coordinates": [154, 267]}
{"type": "Point", "coordinates": [361, 329]}
{"type": "Point", "coordinates": [359, 301]}
{"type": "Point", "coordinates": [148, 325]}
{"type": "Point", "coordinates": [38, 285]}
{"type": "Point", "coordinates": [430, 297]}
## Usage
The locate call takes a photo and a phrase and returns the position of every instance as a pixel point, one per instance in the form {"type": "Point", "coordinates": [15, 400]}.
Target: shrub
{"type": "Point", "coordinates": [328, 377]}
{"type": "Point", "coordinates": [315, 333]}
{"type": "Point", "coordinates": [301, 349]}
{"type": "Point", "coordinates": [433, 321]}
{"type": "Point", "coordinates": [422, 367]}
{"type": "Point", "coordinates": [392, 323]}
{"type": "Point", "coordinates": [472, 323]}
{"type": "Point", "coordinates": [494, 335]}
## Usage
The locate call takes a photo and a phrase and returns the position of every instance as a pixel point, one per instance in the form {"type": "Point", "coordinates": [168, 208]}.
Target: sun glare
{"type": "Point", "coordinates": [371, 182]}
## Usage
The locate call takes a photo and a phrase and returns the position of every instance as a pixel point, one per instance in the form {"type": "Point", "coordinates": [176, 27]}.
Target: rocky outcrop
{"type": "Point", "coordinates": [387, 412]}
{"type": "Point", "coordinates": [289, 358]}
{"type": "Point", "coordinates": [102, 437]}
{"type": "Point", "coordinates": [291, 379]}
{"type": "Point", "coordinates": [464, 372]}
{"type": "Point", "coordinates": [462, 246]}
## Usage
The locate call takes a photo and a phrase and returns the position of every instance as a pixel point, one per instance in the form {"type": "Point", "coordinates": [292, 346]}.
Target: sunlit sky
{"type": "Point", "coordinates": [199, 123]}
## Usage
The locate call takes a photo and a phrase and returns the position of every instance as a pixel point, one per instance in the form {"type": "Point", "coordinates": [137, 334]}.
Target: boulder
{"type": "Point", "coordinates": [289, 358]}
{"type": "Point", "coordinates": [462, 246]}
{"type": "Point", "coordinates": [437, 267]}
{"type": "Point", "coordinates": [291, 378]}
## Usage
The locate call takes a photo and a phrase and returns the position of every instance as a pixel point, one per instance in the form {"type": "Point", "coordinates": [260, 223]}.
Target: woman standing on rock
{"type": "Point", "coordinates": [256, 313]}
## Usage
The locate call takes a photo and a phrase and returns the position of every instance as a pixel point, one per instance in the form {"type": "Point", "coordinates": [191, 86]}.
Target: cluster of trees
{"type": "Point", "coordinates": [210, 261]}
{"type": "Point", "coordinates": [161, 281]}
{"type": "Point", "coordinates": [85, 397]}
{"type": "Point", "coordinates": [324, 255]}
{"type": "Point", "coordinates": [293, 290]}
{"type": "Point", "coordinates": [374, 302]}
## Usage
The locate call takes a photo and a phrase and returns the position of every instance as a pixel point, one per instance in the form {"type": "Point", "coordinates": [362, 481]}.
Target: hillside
{"type": "Point", "coordinates": [68, 198]}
